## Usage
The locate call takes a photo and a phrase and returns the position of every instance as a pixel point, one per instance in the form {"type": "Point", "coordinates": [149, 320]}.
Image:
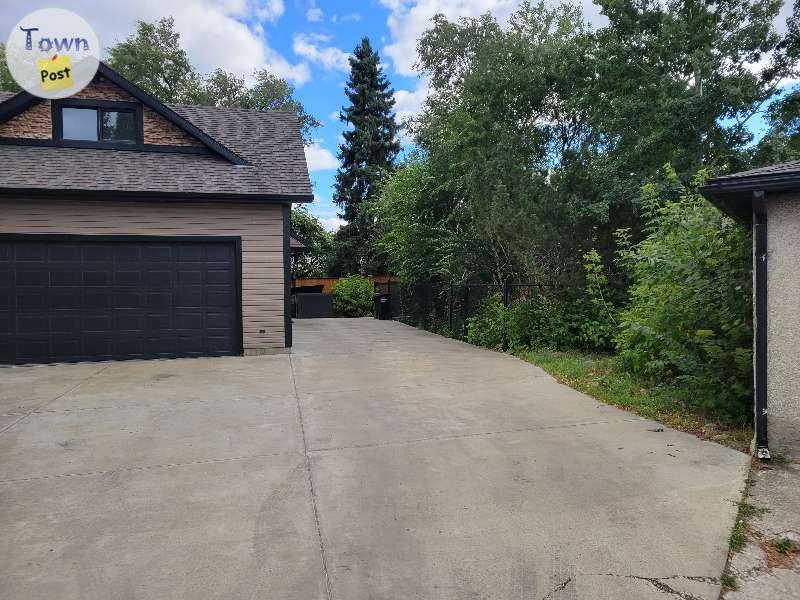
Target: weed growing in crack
{"type": "Point", "coordinates": [785, 546]}
{"type": "Point", "coordinates": [728, 582]}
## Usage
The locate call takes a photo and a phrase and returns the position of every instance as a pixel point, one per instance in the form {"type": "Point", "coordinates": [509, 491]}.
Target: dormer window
{"type": "Point", "coordinates": [97, 123]}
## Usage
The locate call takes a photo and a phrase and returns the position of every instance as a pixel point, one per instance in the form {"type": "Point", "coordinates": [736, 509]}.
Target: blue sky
{"type": "Point", "coordinates": [303, 41]}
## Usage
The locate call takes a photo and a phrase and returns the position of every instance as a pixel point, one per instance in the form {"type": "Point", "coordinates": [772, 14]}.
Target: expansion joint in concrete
{"type": "Point", "coordinates": [49, 402]}
{"type": "Point", "coordinates": [312, 492]}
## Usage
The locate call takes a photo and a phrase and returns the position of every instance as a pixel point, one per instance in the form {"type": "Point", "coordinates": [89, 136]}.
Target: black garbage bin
{"type": "Point", "coordinates": [383, 306]}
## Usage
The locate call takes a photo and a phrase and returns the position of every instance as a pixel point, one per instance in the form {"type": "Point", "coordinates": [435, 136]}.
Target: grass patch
{"type": "Point", "coordinates": [728, 582]}
{"type": "Point", "coordinates": [600, 377]}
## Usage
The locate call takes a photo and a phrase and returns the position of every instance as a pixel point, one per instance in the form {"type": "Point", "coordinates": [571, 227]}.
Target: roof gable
{"type": "Point", "coordinates": [170, 115]}
{"type": "Point", "coordinates": [23, 101]}
{"type": "Point", "coordinates": [243, 154]}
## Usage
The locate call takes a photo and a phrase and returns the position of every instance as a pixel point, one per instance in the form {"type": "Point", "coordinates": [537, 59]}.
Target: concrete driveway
{"type": "Point", "coordinates": [377, 462]}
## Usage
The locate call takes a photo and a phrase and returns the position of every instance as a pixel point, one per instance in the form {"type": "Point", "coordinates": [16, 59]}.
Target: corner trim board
{"type": "Point", "coordinates": [760, 255]}
{"type": "Point", "coordinates": [287, 275]}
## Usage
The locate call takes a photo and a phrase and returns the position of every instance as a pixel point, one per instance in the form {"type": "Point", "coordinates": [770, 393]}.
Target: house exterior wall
{"type": "Point", "coordinates": [783, 323]}
{"type": "Point", "coordinates": [259, 226]}
{"type": "Point", "coordinates": [37, 123]}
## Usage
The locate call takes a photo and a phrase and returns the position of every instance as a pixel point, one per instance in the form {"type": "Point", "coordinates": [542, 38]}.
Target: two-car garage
{"type": "Point", "coordinates": [71, 298]}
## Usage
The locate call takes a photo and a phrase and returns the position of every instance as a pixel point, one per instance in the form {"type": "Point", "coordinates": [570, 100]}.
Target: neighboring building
{"type": "Point", "coordinates": [768, 199]}
{"type": "Point", "coordinates": [133, 229]}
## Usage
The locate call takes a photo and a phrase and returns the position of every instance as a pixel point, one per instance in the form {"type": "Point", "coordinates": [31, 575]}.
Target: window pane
{"type": "Point", "coordinates": [79, 124]}
{"type": "Point", "coordinates": [117, 126]}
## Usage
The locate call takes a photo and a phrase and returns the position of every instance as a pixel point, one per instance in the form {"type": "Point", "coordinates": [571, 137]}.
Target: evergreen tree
{"type": "Point", "coordinates": [368, 152]}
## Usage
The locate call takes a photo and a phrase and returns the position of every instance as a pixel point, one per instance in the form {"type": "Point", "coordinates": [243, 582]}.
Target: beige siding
{"type": "Point", "coordinates": [783, 324]}
{"type": "Point", "coordinates": [259, 226]}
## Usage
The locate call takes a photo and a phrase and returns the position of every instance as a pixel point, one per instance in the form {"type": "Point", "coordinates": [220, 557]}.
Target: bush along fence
{"type": "Point", "coordinates": [495, 316]}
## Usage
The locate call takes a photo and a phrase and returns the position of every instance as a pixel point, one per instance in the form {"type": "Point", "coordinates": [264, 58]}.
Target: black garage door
{"type": "Point", "coordinates": [71, 298]}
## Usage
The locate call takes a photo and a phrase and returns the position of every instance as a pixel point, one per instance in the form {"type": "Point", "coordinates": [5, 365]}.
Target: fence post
{"type": "Point", "coordinates": [450, 309]}
{"type": "Point", "coordinates": [428, 306]}
{"type": "Point", "coordinates": [505, 305]}
{"type": "Point", "coordinates": [465, 309]}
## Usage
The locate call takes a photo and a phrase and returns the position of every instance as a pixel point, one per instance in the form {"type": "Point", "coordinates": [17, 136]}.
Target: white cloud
{"type": "Point", "coordinates": [409, 19]}
{"type": "Point", "coordinates": [333, 224]}
{"type": "Point", "coordinates": [310, 46]}
{"type": "Point", "coordinates": [408, 103]}
{"type": "Point", "coordinates": [269, 10]}
{"type": "Point", "coordinates": [354, 17]}
{"type": "Point", "coordinates": [334, 116]}
{"type": "Point", "coordinates": [227, 34]}
{"type": "Point", "coordinates": [314, 15]}
{"type": "Point", "coordinates": [319, 158]}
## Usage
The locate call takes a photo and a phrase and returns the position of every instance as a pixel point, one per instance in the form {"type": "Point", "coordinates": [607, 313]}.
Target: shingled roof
{"type": "Point", "coordinates": [269, 142]}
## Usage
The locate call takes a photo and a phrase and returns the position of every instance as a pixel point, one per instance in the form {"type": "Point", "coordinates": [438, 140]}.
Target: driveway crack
{"type": "Point", "coordinates": [326, 575]}
{"type": "Point", "coordinates": [49, 402]}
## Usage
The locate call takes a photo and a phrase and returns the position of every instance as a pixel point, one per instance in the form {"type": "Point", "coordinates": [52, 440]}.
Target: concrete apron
{"type": "Point", "coordinates": [377, 461]}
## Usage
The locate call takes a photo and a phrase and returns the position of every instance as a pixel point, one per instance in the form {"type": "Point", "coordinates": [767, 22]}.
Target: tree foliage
{"type": "Point", "coordinates": [369, 149]}
{"type": "Point", "coordinates": [690, 311]}
{"type": "Point", "coordinates": [7, 83]}
{"type": "Point", "coordinates": [153, 59]}
{"type": "Point", "coordinates": [539, 134]}
{"type": "Point", "coordinates": [316, 258]}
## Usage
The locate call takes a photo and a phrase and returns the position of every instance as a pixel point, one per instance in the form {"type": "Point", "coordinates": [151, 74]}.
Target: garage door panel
{"type": "Point", "coordinates": [62, 347]}
{"type": "Point", "coordinates": [33, 323]}
{"type": "Point", "coordinates": [127, 278]}
{"type": "Point", "coordinates": [188, 319]}
{"type": "Point", "coordinates": [159, 278]}
{"type": "Point", "coordinates": [157, 253]}
{"type": "Point", "coordinates": [31, 299]}
{"type": "Point", "coordinates": [190, 277]}
{"type": "Point", "coordinates": [64, 253]}
{"type": "Point", "coordinates": [97, 298]}
{"type": "Point", "coordinates": [126, 253]}
{"type": "Point", "coordinates": [30, 253]}
{"type": "Point", "coordinates": [97, 253]}
{"type": "Point", "coordinates": [96, 277]}
{"type": "Point", "coordinates": [64, 276]}
{"type": "Point", "coordinates": [63, 298]}
{"type": "Point", "coordinates": [128, 321]}
{"type": "Point", "coordinates": [100, 300]}
{"type": "Point", "coordinates": [189, 296]}
{"type": "Point", "coordinates": [219, 320]}
{"type": "Point", "coordinates": [65, 323]}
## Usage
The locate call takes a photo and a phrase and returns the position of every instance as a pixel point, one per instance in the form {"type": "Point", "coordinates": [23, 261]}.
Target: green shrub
{"type": "Point", "coordinates": [689, 317]}
{"type": "Point", "coordinates": [544, 320]}
{"type": "Point", "coordinates": [353, 296]}
{"type": "Point", "coordinates": [539, 322]}
{"type": "Point", "coordinates": [489, 325]}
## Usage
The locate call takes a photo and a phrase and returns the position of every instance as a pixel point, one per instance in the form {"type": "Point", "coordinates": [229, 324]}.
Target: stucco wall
{"type": "Point", "coordinates": [259, 226]}
{"type": "Point", "coordinates": [783, 323]}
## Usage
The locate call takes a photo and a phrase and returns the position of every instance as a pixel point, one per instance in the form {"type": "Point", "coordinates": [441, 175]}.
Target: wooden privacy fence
{"type": "Point", "coordinates": [327, 282]}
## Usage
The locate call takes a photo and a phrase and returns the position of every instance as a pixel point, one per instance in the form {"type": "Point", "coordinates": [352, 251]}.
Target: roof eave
{"type": "Point", "coordinates": [733, 195]}
{"type": "Point", "coordinates": [154, 195]}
